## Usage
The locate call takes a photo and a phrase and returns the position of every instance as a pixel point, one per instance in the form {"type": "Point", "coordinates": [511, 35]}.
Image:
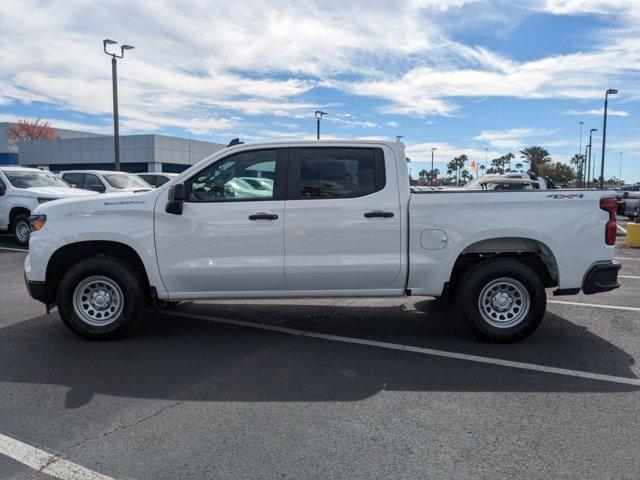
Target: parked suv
{"type": "Point", "coordinates": [104, 181]}
{"type": "Point", "coordinates": [22, 190]}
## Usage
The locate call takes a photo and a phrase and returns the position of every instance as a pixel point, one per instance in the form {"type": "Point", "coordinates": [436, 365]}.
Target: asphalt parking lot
{"type": "Point", "coordinates": [322, 389]}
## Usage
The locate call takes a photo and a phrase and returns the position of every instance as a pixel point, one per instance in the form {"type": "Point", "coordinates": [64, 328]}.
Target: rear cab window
{"type": "Point", "coordinates": [332, 172]}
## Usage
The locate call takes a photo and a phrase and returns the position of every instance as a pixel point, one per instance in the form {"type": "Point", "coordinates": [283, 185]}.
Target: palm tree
{"type": "Point", "coordinates": [465, 175]}
{"type": "Point", "coordinates": [536, 156]}
{"type": "Point", "coordinates": [482, 168]}
{"type": "Point", "coordinates": [519, 166]}
{"type": "Point", "coordinates": [452, 166]}
{"type": "Point", "coordinates": [577, 160]}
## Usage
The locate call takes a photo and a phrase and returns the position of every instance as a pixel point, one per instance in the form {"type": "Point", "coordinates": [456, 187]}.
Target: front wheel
{"type": "Point", "coordinates": [501, 300]}
{"type": "Point", "coordinates": [21, 229]}
{"type": "Point", "coordinates": [102, 298]}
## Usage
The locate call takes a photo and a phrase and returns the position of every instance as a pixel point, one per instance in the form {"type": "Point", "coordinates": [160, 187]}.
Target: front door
{"type": "Point", "coordinates": [343, 225]}
{"type": "Point", "coordinates": [229, 237]}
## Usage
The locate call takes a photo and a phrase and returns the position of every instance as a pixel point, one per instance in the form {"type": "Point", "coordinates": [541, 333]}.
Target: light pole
{"type": "Point", "coordinates": [114, 81]}
{"type": "Point", "coordinates": [433, 149]}
{"type": "Point", "coordinates": [611, 91]}
{"type": "Point", "coordinates": [620, 178]}
{"type": "Point", "coordinates": [589, 158]}
{"type": "Point", "coordinates": [485, 159]}
{"type": "Point", "coordinates": [399, 137]}
{"type": "Point", "coordinates": [319, 115]}
{"type": "Point", "coordinates": [579, 148]}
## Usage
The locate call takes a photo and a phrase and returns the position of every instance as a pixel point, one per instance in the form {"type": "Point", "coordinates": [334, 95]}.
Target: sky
{"type": "Point", "coordinates": [481, 78]}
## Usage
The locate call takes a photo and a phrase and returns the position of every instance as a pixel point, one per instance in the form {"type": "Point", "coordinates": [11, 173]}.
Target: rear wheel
{"type": "Point", "coordinates": [501, 300]}
{"type": "Point", "coordinates": [102, 298]}
{"type": "Point", "coordinates": [21, 229]}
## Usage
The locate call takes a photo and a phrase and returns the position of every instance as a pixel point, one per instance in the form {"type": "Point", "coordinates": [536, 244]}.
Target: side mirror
{"type": "Point", "coordinates": [98, 188]}
{"type": "Point", "coordinates": [3, 189]}
{"type": "Point", "coordinates": [177, 196]}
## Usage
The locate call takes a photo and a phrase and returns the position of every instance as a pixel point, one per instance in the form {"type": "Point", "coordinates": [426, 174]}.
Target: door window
{"type": "Point", "coordinates": [336, 173]}
{"type": "Point", "coordinates": [231, 178]}
{"type": "Point", "coordinates": [91, 180]}
{"type": "Point", "coordinates": [74, 179]}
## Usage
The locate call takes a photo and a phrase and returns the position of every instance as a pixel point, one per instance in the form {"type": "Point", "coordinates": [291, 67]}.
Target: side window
{"type": "Point", "coordinates": [336, 172]}
{"type": "Point", "coordinates": [150, 179]}
{"type": "Point", "coordinates": [3, 187]}
{"type": "Point", "coordinates": [231, 179]}
{"type": "Point", "coordinates": [91, 180]}
{"type": "Point", "coordinates": [74, 179]}
{"type": "Point", "coordinates": [160, 180]}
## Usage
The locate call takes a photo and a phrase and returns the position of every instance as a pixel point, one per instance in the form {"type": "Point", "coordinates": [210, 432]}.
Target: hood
{"type": "Point", "coordinates": [100, 201]}
{"type": "Point", "coordinates": [59, 192]}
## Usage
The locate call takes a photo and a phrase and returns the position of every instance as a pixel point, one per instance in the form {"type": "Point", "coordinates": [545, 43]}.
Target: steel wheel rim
{"type": "Point", "coordinates": [98, 301]}
{"type": "Point", "coordinates": [504, 303]}
{"type": "Point", "coordinates": [22, 230]}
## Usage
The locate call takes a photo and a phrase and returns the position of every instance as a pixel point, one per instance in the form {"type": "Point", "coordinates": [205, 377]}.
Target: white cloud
{"type": "Point", "coordinates": [198, 64]}
{"type": "Point", "coordinates": [598, 112]}
{"type": "Point", "coordinates": [512, 138]}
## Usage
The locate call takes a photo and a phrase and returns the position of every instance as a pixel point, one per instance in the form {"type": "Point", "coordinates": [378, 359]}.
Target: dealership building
{"type": "Point", "coordinates": [74, 150]}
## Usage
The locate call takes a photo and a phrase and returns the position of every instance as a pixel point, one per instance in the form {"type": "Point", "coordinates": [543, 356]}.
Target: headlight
{"type": "Point", "coordinates": [42, 200]}
{"type": "Point", "coordinates": [37, 222]}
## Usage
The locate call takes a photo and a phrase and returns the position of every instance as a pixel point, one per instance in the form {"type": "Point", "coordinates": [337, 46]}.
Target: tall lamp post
{"type": "Point", "coordinates": [114, 81]}
{"type": "Point", "coordinates": [319, 115]}
{"type": "Point", "coordinates": [620, 179]}
{"type": "Point", "coordinates": [433, 149]}
{"type": "Point", "coordinates": [589, 157]}
{"type": "Point", "coordinates": [578, 165]}
{"type": "Point", "coordinates": [611, 91]}
{"type": "Point", "coordinates": [399, 137]}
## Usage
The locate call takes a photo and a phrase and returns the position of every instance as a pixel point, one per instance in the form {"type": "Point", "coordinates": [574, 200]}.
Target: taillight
{"type": "Point", "coordinates": [625, 194]}
{"type": "Point", "coordinates": [610, 205]}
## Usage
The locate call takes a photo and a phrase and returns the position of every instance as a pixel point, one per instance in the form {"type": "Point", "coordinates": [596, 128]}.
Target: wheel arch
{"type": "Point", "coordinates": [17, 210]}
{"type": "Point", "coordinates": [68, 255]}
{"type": "Point", "coordinates": [533, 253]}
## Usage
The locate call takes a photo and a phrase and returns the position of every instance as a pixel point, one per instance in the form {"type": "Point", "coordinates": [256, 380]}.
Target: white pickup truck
{"type": "Point", "coordinates": [22, 189]}
{"type": "Point", "coordinates": [340, 222]}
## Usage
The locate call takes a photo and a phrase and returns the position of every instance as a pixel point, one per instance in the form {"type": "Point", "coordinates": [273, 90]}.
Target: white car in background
{"type": "Point", "coordinates": [22, 190]}
{"type": "Point", "coordinates": [104, 181]}
{"type": "Point", "coordinates": [156, 179]}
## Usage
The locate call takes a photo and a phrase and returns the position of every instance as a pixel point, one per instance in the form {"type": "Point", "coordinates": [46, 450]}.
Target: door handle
{"type": "Point", "coordinates": [378, 213]}
{"type": "Point", "coordinates": [263, 216]}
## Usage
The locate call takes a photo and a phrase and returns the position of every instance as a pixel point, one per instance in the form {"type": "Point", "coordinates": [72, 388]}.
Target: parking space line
{"type": "Point", "coordinates": [14, 249]}
{"type": "Point", "coordinates": [627, 258]}
{"type": "Point", "coordinates": [45, 462]}
{"type": "Point", "coordinates": [628, 276]}
{"type": "Point", "coordinates": [623, 230]}
{"type": "Point", "coordinates": [595, 305]}
{"type": "Point", "coordinates": [420, 350]}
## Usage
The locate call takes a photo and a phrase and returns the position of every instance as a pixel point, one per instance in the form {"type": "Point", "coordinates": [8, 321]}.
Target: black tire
{"type": "Point", "coordinates": [134, 303]}
{"type": "Point", "coordinates": [18, 223]}
{"type": "Point", "coordinates": [481, 275]}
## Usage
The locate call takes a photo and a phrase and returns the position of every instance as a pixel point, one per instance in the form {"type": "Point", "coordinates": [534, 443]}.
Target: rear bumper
{"type": "Point", "coordinates": [601, 277]}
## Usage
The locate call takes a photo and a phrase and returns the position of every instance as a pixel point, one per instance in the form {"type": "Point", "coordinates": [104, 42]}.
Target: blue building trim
{"type": "Point", "coordinates": [7, 158]}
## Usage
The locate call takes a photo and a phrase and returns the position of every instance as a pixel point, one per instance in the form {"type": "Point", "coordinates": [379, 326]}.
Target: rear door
{"type": "Point", "coordinates": [343, 226]}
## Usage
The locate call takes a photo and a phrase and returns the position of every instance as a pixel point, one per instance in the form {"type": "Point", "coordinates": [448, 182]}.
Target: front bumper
{"type": "Point", "coordinates": [37, 290]}
{"type": "Point", "coordinates": [602, 277]}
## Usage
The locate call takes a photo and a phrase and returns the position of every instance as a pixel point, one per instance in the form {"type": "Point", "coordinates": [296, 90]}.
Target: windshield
{"type": "Point", "coordinates": [28, 179]}
{"type": "Point", "coordinates": [125, 180]}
